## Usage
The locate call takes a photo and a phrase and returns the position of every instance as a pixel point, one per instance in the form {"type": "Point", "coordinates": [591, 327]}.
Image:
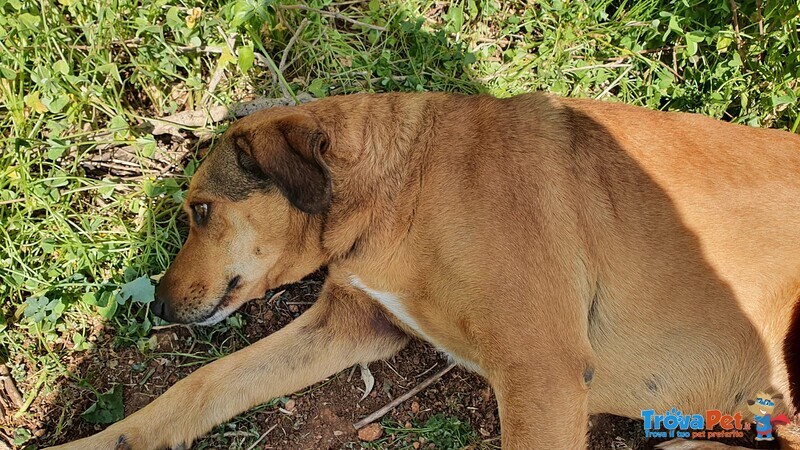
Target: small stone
{"type": "Point", "coordinates": [290, 405]}
{"type": "Point", "coordinates": [293, 308]}
{"type": "Point", "coordinates": [371, 432]}
{"type": "Point", "coordinates": [415, 444]}
{"type": "Point", "coordinates": [408, 425]}
{"type": "Point", "coordinates": [414, 408]}
{"type": "Point", "coordinates": [338, 433]}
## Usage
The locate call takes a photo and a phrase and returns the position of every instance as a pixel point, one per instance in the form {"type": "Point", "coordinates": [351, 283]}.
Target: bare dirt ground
{"type": "Point", "coordinates": [320, 417]}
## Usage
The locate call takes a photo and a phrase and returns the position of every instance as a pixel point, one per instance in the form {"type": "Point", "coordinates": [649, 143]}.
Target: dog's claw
{"type": "Point", "coordinates": [122, 444]}
{"type": "Point", "coordinates": [181, 447]}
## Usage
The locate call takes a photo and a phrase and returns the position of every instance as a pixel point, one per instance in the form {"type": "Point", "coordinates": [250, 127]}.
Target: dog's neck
{"type": "Point", "coordinates": [378, 166]}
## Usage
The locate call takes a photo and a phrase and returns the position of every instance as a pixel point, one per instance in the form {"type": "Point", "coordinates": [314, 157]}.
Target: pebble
{"type": "Point", "coordinates": [371, 432]}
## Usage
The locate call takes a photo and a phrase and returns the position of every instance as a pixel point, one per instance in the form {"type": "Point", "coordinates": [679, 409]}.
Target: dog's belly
{"type": "Point", "coordinates": [394, 305]}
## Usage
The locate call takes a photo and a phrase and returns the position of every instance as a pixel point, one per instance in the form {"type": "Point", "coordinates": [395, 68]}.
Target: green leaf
{"type": "Point", "coordinates": [58, 103]}
{"type": "Point", "coordinates": [111, 70]}
{"type": "Point", "coordinates": [89, 298]}
{"type": "Point", "coordinates": [108, 302]}
{"type": "Point", "coordinates": [61, 66]}
{"type": "Point", "coordinates": [147, 146]}
{"type": "Point", "coordinates": [456, 16]}
{"type": "Point", "coordinates": [674, 26]}
{"type": "Point", "coordinates": [246, 58]}
{"type": "Point", "coordinates": [692, 39]}
{"type": "Point", "coordinates": [118, 123]}
{"type": "Point", "coordinates": [107, 409]}
{"type": "Point", "coordinates": [8, 73]}
{"type": "Point", "coordinates": [30, 21]}
{"type": "Point", "coordinates": [173, 18]}
{"type": "Point", "coordinates": [55, 151]}
{"type": "Point", "coordinates": [79, 342]}
{"type": "Point", "coordinates": [691, 47]}
{"type": "Point", "coordinates": [317, 88]}
{"type": "Point", "coordinates": [21, 436]}
{"type": "Point", "coordinates": [723, 42]}
{"type": "Point", "coordinates": [140, 290]}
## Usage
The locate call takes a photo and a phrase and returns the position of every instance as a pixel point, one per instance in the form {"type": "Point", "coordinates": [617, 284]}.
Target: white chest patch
{"type": "Point", "coordinates": [392, 303]}
{"type": "Point", "coordinates": [395, 306]}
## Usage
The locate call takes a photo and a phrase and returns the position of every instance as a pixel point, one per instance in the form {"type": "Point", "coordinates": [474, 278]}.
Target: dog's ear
{"type": "Point", "coordinates": [289, 151]}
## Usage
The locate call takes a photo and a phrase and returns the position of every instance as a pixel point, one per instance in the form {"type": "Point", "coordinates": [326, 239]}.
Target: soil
{"type": "Point", "coordinates": [320, 417]}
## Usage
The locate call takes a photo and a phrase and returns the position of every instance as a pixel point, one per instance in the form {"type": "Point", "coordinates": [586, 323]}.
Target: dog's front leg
{"type": "Point", "coordinates": [343, 328]}
{"type": "Point", "coordinates": [541, 370]}
{"type": "Point", "coordinates": [543, 406]}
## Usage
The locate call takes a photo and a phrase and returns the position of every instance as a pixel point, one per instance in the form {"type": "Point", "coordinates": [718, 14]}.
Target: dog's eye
{"type": "Point", "coordinates": [200, 211]}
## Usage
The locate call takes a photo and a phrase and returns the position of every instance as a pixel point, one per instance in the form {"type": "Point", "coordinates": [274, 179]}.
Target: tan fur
{"type": "Point", "coordinates": [598, 256]}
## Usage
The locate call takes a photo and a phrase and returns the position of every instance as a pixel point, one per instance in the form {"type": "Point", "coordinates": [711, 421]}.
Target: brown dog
{"type": "Point", "coordinates": [596, 256]}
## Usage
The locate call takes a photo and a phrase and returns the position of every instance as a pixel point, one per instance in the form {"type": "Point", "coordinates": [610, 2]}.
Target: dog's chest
{"type": "Point", "coordinates": [394, 304]}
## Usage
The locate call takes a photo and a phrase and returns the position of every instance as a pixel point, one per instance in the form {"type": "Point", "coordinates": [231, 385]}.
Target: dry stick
{"type": "Point", "coordinates": [295, 36]}
{"type": "Point", "coordinates": [276, 73]}
{"type": "Point", "coordinates": [220, 70]}
{"type": "Point", "coordinates": [393, 404]}
{"type": "Point", "coordinates": [262, 437]}
{"type": "Point", "coordinates": [11, 389]}
{"type": "Point", "coordinates": [739, 44]}
{"type": "Point", "coordinates": [193, 119]}
{"type": "Point", "coordinates": [334, 14]}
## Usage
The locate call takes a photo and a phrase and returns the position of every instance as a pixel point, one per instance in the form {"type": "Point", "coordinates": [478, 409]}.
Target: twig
{"type": "Point", "coordinates": [193, 119]}
{"type": "Point", "coordinates": [393, 404]}
{"type": "Point", "coordinates": [13, 200]}
{"type": "Point", "coordinates": [295, 36]}
{"type": "Point", "coordinates": [276, 74]}
{"type": "Point", "coordinates": [167, 327]}
{"type": "Point", "coordinates": [262, 437]}
{"type": "Point", "coordinates": [334, 14]}
{"type": "Point", "coordinates": [614, 83]}
{"type": "Point", "coordinates": [760, 18]}
{"type": "Point", "coordinates": [739, 42]}
{"type": "Point", "coordinates": [220, 70]}
{"type": "Point", "coordinates": [612, 65]}
{"type": "Point", "coordinates": [11, 388]}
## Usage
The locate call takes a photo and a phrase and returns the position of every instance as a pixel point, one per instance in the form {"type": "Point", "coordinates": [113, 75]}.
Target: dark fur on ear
{"type": "Point", "coordinates": [289, 151]}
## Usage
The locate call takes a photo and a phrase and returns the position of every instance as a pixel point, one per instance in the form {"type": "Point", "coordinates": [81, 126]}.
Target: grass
{"type": "Point", "coordinates": [82, 235]}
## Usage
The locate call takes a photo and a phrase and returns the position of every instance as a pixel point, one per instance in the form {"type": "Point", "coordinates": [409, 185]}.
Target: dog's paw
{"type": "Point", "coordinates": [105, 441]}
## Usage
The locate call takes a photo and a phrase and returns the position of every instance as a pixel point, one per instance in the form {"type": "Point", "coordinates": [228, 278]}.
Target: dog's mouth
{"type": "Point", "coordinates": [219, 313]}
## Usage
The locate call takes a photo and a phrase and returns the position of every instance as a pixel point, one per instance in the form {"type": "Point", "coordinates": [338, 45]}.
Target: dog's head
{"type": "Point", "coordinates": [255, 207]}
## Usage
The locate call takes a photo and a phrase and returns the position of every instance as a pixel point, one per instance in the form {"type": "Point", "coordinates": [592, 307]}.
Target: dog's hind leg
{"type": "Point", "coordinates": [344, 327]}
